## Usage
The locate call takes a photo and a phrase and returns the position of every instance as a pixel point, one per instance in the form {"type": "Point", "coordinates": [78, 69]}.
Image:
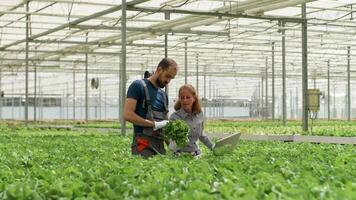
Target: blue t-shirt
{"type": "Point", "coordinates": [136, 91]}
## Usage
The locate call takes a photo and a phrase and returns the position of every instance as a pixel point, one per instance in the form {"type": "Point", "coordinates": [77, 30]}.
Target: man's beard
{"type": "Point", "coordinates": [160, 83]}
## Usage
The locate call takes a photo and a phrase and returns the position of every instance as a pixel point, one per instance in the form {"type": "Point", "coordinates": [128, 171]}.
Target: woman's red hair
{"type": "Point", "coordinates": [196, 105]}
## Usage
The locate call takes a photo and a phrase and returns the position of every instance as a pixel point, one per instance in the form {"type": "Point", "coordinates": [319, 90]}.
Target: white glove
{"type": "Point", "coordinates": [212, 147]}
{"type": "Point", "coordinates": [159, 125]}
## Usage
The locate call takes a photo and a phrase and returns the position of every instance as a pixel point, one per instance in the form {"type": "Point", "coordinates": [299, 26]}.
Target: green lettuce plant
{"type": "Point", "coordinates": [178, 131]}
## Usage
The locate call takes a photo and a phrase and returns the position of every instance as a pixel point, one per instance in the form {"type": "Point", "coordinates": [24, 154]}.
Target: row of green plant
{"type": "Point", "coordinates": [62, 125]}
{"type": "Point", "coordinates": [62, 164]}
{"type": "Point", "coordinates": [319, 128]}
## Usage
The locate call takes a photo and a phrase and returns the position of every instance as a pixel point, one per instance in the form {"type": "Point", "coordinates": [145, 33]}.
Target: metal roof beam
{"type": "Point", "coordinates": [217, 14]}
{"type": "Point", "coordinates": [151, 30]}
{"type": "Point", "coordinates": [14, 8]}
{"type": "Point", "coordinates": [232, 73]}
{"type": "Point", "coordinates": [77, 21]}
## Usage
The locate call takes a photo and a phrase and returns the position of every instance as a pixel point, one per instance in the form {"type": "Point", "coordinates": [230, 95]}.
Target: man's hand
{"type": "Point", "coordinates": [159, 125]}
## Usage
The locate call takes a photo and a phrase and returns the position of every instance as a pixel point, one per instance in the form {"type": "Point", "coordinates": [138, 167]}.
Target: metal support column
{"type": "Point", "coordinates": [86, 81]}
{"type": "Point", "coordinates": [41, 98]}
{"type": "Point", "coordinates": [328, 90]}
{"type": "Point", "coordinates": [105, 105]}
{"type": "Point", "coordinates": [266, 99]}
{"type": "Point", "coordinates": [74, 96]}
{"type": "Point", "coordinates": [296, 103]}
{"type": "Point", "coordinates": [348, 86]}
{"type": "Point", "coordinates": [35, 89]}
{"type": "Point", "coordinates": [67, 101]}
{"type": "Point", "coordinates": [273, 103]}
{"type": "Point", "coordinates": [284, 107]}
{"type": "Point", "coordinates": [325, 107]}
{"type": "Point", "coordinates": [185, 61]}
{"type": "Point", "coordinates": [166, 17]}
{"type": "Point", "coordinates": [27, 49]}
{"type": "Point", "coordinates": [262, 102]}
{"type": "Point", "coordinates": [334, 115]}
{"type": "Point", "coordinates": [123, 67]}
{"type": "Point", "coordinates": [100, 101]}
{"type": "Point", "coordinates": [61, 112]}
{"type": "Point", "coordinates": [205, 92]}
{"type": "Point", "coordinates": [346, 102]}
{"type": "Point", "coordinates": [13, 97]}
{"type": "Point", "coordinates": [314, 81]}
{"type": "Point", "coordinates": [259, 100]}
{"type": "Point", "coordinates": [304, 68]}
{"type": "Point", "coordinates": [214, 100]}
{"type": "Point", "coordinates": [35, 95]}
{"type": "Point", "coordinates": [197, 81]}
{"type": "Point", "coordinates": [291, 104]}
{"type": "Point", "coordinates": [210, 99]}
{"type": "Point", "coordinates": [96, 107]}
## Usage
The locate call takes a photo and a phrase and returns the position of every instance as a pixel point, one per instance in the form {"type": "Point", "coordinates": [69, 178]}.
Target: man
{"type": "Point", "coordinates": [146, 106]}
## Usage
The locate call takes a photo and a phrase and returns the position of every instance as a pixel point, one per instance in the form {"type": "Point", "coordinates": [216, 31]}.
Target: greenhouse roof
{"type": "Point", "coordinates": [231, 42]}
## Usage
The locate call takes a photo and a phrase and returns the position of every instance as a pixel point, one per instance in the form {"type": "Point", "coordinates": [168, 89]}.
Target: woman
{"type": "Point", "coordinates": [188, 109]}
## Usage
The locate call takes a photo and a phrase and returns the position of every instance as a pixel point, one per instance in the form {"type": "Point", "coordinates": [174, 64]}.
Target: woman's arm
{"type": "Point", "coordinates": [205, 139]}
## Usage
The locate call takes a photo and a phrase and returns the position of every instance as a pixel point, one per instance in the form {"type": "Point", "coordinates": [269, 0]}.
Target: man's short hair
{"type": "Point", "coordinates": [166, 63]}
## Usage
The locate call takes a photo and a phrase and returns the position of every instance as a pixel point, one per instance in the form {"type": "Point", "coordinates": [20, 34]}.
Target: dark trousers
{"type": "Point", "coordinates": [147, 146]}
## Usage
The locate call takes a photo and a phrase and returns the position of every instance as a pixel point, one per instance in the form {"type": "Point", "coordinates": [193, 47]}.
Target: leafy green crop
{"type": "Point", "coordinates": [222, 150]}
{"type": "Point", "coordinates": [178, 131]}
{"type": "Point", "coordinates": [319, 128]}
{"type": "Point", "coordinates": [63, 164]}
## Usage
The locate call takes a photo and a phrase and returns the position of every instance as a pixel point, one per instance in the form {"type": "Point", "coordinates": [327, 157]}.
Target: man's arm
{"type": "Point", "coordinates": [131, 116]}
